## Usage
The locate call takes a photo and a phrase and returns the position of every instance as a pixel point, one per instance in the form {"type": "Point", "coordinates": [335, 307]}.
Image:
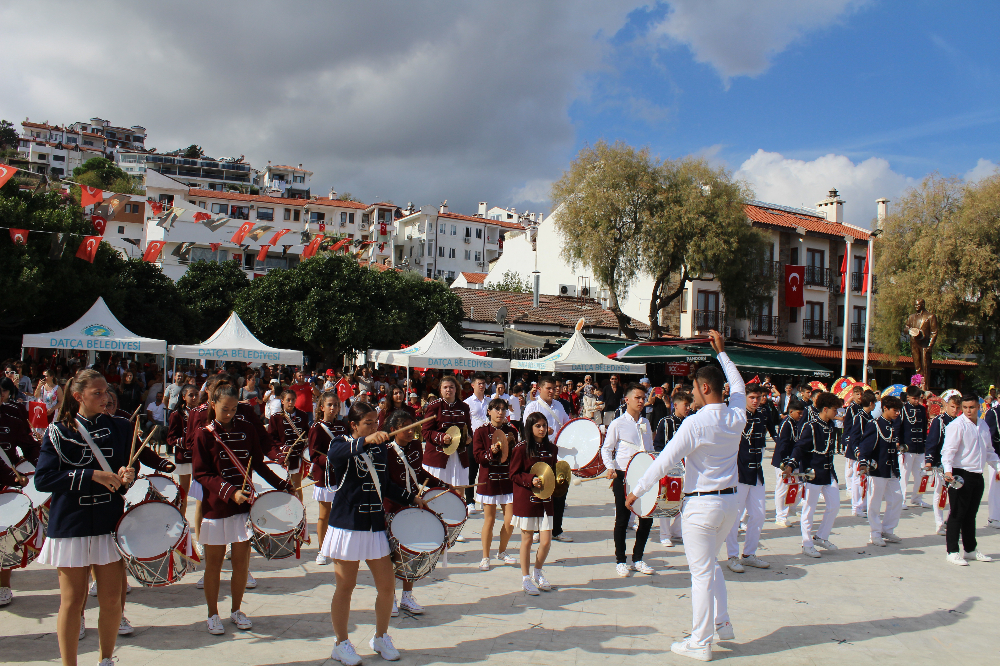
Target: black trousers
{"type": "Point", "coordinates": [964, 507]}
{"type": "Point", "coordinates": [622, 515]}
{"type": "Point", "coordinates": [470, 493]}
{"type": "Point", "coordinates": [559, 508]}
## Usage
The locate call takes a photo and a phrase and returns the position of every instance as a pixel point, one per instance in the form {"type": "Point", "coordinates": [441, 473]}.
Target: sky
{"type": "Point", "coordinates": [490, 101]}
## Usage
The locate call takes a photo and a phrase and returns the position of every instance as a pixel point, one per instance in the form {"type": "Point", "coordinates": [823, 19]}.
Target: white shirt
{"type": "Point", "coordinates": [968, 446]}
{"type": "Point", "coordinates": [477, 410]}
{"type": "Point", "coordinates": [708, 441]}
{"type": "Point", "coordinates": [625, 438]}
{"type": "Point", "coordinates": [157, 412]}
{"type": "Point", "coordinates": [272, 407]}
{"type": "Point", "coordinates": [554, 413]}
{"type": "Point", "coordinates": [515, 407]}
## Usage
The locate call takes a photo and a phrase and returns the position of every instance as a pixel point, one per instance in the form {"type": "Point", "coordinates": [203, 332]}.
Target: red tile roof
{"type": "Point", "coordinates": [468, 218]}
{"type": "Point", "coordinates": [481, 305]}
{"type": "Point", "coordinates": [833, 353]}
{"type": "Point", "coordinates": [290, 168]}
{"type": "Point", "coordinates": [237, 196]}
{"type": "Point", "coordinates": [475, 278]}
{"type": "Point", "coordinates": [42, 125]}
{"type": "Point", "coordinates": [327, 201]}
{"type": "Point", "coordinates": [783, 218]}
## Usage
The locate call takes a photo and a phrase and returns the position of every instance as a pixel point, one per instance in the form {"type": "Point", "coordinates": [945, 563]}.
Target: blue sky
{"type": "Point", "coordinates": [489, 101]}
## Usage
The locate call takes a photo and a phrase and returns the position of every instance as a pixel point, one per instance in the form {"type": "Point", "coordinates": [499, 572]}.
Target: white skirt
{"type": "Point", "coordinates": [495, 500]}
{"type": "Point", "coordinates": [354, 545]}
{"type": "Point", "coordinates": [454, 474]}
{"type": "Point", "coordinates": [535, 524]}
{"type": "Point", "coordinates": [224, 531]}
{"type": "Point", "coordinates": [323, 494]}
{"type": "Point", "coordinates": [196, 491]}
{"type": "Point", "coordinates": [79, 551]}
{"type": "Point", "coordinates": [180, 469]}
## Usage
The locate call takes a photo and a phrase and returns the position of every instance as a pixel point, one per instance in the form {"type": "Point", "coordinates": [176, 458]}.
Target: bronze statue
{"type": "Point", "coordinates": [922, 328]}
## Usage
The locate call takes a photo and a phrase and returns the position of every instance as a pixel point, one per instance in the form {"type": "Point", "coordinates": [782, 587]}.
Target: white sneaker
{"type": "Point", "coordinates": [215, 626]}
{"type": "Point", "coordinates": [824, 544]}
{"type": "Point", "coordinates": [110, 661]}
{"type": "Point", "coordinates": [667, 543]}
{"type": "Point", "coordinates": [201, 550]}
{"type": "Point", "coordinates": [623, 570]}
{"type": "Point", "coordinates": [863, 514]}
{"type": "Point", "coordinates": [472, 508]}
{"type": "Point", "coordinates": [201, 583]}
{"type": "Point", "coordinates": [810, 551]}
{"type": "Point", "coordinates": [6, 596]}
{"type": "Point", "coordinates": [93, 588]}
{"type": "Point", "coordinates": [564, 538]}
{"type": "Point", "coordinates": [344, 653]}
{"type": "Point", "coordinates": [781, 523]}
{"type": "Point", "coordinates": [460, 539]}
{"type": "Point", "coordinates": [484, 564]}
{"type": "Point", "coordinates": [755, 562]}
{"type": "Point", "coordinates": [534, 538]}
{"type": "Point", "coordinates": [978, 555]}
{"type": "Point", "coordinates": [956, 558]}
{"type": "Point", "coordinates": [734, 565]}
{"type": "Point", "coordinates": [395, 608]}
{"type": "Point", "coordinates": [322, 559]}
{"type": "Point", "coordinates": [506, 559]}
{"type": "Point", "coordinates": [995, 524]}
{"type": "Point", "coordinates": [876, 540]}
{"type": "Point", "coordinates": [942, 530]}
{"type": "Point", "coordinates": [920, 503]}
{"type": "Point", "coordinates": [240, 619]}
{"type": "Point", "coordinates": [643, 568]}
{"type": "Point", "coordinates": [83, 628]}
{"type": "Point", "coordinates": [540, 581]}
{"type": "Point", "coordinates": [383, 645]}
{"type": "Point", "coordinates": [251, 581]}
{"type": "Point", "coordinates": [685, 649]}
{"type": "Point", "coordinates": [409, 603]}
{"type": "Point", "coordinates": [125, 627]}
{"type": "Point", "coordinates": [529, 586]}
{"type": "Point", "coordinates": [725, 632]}
{"type": "Point", "coordinates": [889, 537]}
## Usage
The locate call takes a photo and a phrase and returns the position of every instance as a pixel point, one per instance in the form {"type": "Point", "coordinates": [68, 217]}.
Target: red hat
{"type": "Point", "coordinates": [329, 372]}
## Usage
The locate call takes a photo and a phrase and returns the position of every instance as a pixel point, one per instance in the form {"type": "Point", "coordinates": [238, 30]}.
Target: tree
{"type": "Point", "coordinates": [347, 196]}
{"type": "Point", "coordinates": [209, 289]}
{"type": "Point", "coordinates": [511, 281]}
{"type": "Point", "coordinates": [607, 197]}
{"type": "Point", "coordinates": [193, 152]}
{"type": "Point", "coordinates": [8, 135]}
{"type": "Point", "coordinates": [149, 303]}
{"type": "Point", "coordinates": [104, 174]}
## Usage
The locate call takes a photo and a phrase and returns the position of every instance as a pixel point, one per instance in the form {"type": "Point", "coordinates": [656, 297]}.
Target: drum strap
{"type": "Point", "coordinates": [409, 470]}
{"type": "Point", "coordinates": [371, 471]}
{"type": "Point", "coordinates": [101, 460]}
{"type": "Point", "coordinates": [6, 460]}
{"type": "Point", "coordinates": [232, 456]}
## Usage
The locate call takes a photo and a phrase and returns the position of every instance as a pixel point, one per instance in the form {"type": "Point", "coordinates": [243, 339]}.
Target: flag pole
{"type": "Point", "coordinates": [868, 308]}
{"type": "Point", "coordinates": [847, 306]}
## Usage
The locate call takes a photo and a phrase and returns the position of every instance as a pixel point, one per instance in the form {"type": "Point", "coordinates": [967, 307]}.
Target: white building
{"type": "Point", "coordinates": [116, 138]}
{"type": "Point", "coordinates": [224, 174]}
{"type": "Point", "coordinates": [285, 181]}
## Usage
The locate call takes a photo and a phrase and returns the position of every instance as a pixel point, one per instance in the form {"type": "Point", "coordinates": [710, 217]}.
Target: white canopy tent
{"type": "Point", "coordinates": [97, 330]}
{"type": "Point", "coordinates": [577, 355]}
{"type": "Point", "coordinates": [439, 350]}
{"type": "Point", "coordinates": [234, 342]}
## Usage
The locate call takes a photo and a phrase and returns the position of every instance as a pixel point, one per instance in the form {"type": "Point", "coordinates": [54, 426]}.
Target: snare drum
{"type": "Point", "coordinates": [646, 505]}
{"type": "Point", "coordinates": [18, 524]}
{"type": "Point", "coordinates": [262, 486]}
{"type": "Point", "coordinates": [151, 536]}
{"type": "Point", "coordinates": [278, 523]}
{"type": "Point", "coordinates": [168, 488]}
{"type": "Point", "coordinates": [451, 508]}
{"type": "Point", "coordinates": [141, 491]}
{"type": "Point", "coordinates": [417, 538]}
{"type": "Point", "coordinates": [579, 443]}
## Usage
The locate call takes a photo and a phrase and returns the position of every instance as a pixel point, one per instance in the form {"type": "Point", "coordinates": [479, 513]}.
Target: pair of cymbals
{"type": "Point", "coordinates": [455, 435]}
{"type": "Point", "coordinates": [500, 437]}
{"type": "Point", "coordinates": [544, 472]}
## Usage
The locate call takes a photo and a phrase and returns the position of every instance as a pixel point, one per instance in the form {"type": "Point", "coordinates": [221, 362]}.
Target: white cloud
{"type": "Point", "coordinates": [789, 182]}
{"type": "Point", "coordinates": [739, 38]}
{"type": "Point", "coordinates": [983, 169]}
{"type": "Point", "coordinates": [534, 191]}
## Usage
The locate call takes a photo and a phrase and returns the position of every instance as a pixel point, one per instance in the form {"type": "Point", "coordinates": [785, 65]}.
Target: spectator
{"type": "Point", "coordinates": [250, 394]}
{"type": "Point", "coordinates": [48, 391]}
{"type": "Point", "coordinates": [156, 415]}
{"type": "Point", "coordinates": [303, 394]}
{"type": "Point", "coordinates": [611, 399]}
{"type": "Point", "coordinates": [172, 394]}
{"type": "Point", "coordinates": [272, 400]}
{"type": "Point", "coordinates": [129, 394]}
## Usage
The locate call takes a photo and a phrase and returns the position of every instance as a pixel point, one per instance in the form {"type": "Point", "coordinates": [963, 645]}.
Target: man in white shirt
{"type": "Point", "coordinates": [627, 435]}
{"type": "Point", "coordinates": [967, 450]}
{"type": "Point", "coordinates": [477, 403]}
{"type": "Point", "coordinates": [556, 415]}
{"type": "Point", "coordinates": [708, 441]}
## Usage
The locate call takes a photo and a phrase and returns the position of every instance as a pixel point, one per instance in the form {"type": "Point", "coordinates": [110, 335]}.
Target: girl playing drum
{"type": "Point", "coordinates": [176, 431]}
{"type": "Point", "coordinates": [532, 514]}
{"type": "Point", "coordinates": [499, 489]}
{"type": "Point", "coordinates": [19, 446]}
{"type": "Point", "coordinates": [326, 425]}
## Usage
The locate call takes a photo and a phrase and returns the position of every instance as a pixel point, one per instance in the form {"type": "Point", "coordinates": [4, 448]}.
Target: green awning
{"type": "Point", "coordinates": [775, 362]}
{"type": "Point", "coordinates": [667, 353]}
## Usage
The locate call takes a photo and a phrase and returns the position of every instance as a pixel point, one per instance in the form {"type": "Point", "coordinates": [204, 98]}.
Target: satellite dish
{"type": "Point", "coordinates": [502, 315]}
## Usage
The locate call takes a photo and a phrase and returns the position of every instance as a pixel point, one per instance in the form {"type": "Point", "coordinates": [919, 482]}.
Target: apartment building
{"type": "Point", "coordinates": [207, 173]}
{"type": "Point", "coordinates": [284, 181]}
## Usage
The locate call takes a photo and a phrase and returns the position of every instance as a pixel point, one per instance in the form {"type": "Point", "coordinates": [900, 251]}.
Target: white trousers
{"type": "Point", "coordinates": [751, 498]}
{"type": "Point", "coordinates": [707, 522]}
{"type": "Point", "coordinates": [938, 511]}
{"type": "Point", "coordinates": [911, 467]}
{"type": "Point", "coordinates": [890, 490]}
{"type": "Point", "coordinates": [671, 527]}
{"type": "Point", "coordinates": [831, 498]}
{"type": "Point", "coordinates": [781, 509]}
{"type": "Point", "coordinates": [994, 494]}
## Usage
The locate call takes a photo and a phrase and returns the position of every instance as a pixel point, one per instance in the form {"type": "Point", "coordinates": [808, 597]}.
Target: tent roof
{"type": "Point", "coordinates": [578, 355]}
{"type": "Point", "coordinates": [438, 349]}
{"type": "Point", "coordinates": [99, 330]}
{"type": "Point", "coordinates": [747, 359]}
{"type": "Point", "coordinates": [234, 342]}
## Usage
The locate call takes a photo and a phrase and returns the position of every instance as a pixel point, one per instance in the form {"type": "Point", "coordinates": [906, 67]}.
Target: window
{"type": "Point", "coordinates": [169, 200]}
{"type": "Point", "coordinates": [708, 300]}
{"type": "Point", "coordinates": [298, 179]}
{"type": "Point", "coordinates": [468, 232]}
{"type": "Point", "coordinates": [239, 212]}
{"type": "Point", "coordinates": [296, 215]}
{"type": "Point", "coordinates": [814, 311]}
{"type": "Point", "coordinates": [430, 272]}
{"type": "Point", "coordinates": [43, 156]}
{"type": "Point", "coordinates": [288, 213]}
{"type": "Point", "coordinates": [88, 142]}
{"type": "Point", "coordinates": [71, 139]}
{"type": "Point", "coordinates": [468, 255]}
{"type": "Point", "coordinates": [206, 254]}
{"type": "Point", "coordinates": [317, 218]}
{"type": "Point", "coordinates": [840, 315]}
{"type": "Point", "coordinates": [201, 204]}
{"type": "Point", "coordinates": [249, 260]}
{"type": "Point", "coordinates": [442, 228]}
{"type": "Point", "coordinates": [454, 230]}
{"type": "Point", "coordinates": [451, 253]}
{"type": "Point", "coordinates": [815, 258]}
{"type": "Point", "coordinates": [133, 208]}
{"type": "Point", "coordinates": [58, 158]}
{"type": "Point", "coordinates": [270, 261]}
{"type": "Point", "coordinates": [121, 230]}
{"type": "Point", "coordinates": [56, 171]}
{"type": "Point", "coordinates": [793, 315]}
{"type": "Point", "coordinates": [479, 256]}
{"type": "Point", "coordinates": [343, 219]}
{"type": "Point", "coordinates": [350, 218]}
{"type": "Point", "coordinates": [793, 256]}
{"type": "Point", "coordinates": [451, 275]}
{"type": "Point", "coordinates": [220, 208]}
{"type": "Point", "coordinates": [440, 251]}
{"type": "Point", "coordinates": [265, 214]}
{"type": "Point", "coordinates": [479, 233]}
{"type": "Point", "coordinates": [685, 297]}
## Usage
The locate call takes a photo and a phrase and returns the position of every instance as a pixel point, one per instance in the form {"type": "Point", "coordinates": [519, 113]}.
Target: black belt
{"type": "Point", "coordinates": [724, 491]}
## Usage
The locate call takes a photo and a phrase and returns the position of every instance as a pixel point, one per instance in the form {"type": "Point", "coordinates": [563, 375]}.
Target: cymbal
{"type": "Point", "coordinates": [544, 472]}
{"type": "Point", "coordinates": [499, 436]}
{"type": "Point", "coordinates": [455, 433]}
{"type": "Point", "coordinates": [563, 472]}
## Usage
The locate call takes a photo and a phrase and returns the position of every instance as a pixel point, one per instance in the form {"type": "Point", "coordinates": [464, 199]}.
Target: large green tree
{"type": "Point", "coordinates": [102, 173]}
{"type": "Point", "coordinates": [210, 289]}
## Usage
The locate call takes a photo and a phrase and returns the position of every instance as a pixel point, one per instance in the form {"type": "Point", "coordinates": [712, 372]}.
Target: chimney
{"type": "Point", "coordinates": [333, 193]}
{"type": "Point", "coordinates": [444, 207]}
{"type": "Point", "coordinates": [482, 209]}
{"type": "Point", "coordinates": [536, 280]}
{"type": "Point", "coordinates": [300, 165]}
{"type": "Point", "coordinates": [832, 207]}
{"type": "Point", "coordinates": [883, 211]}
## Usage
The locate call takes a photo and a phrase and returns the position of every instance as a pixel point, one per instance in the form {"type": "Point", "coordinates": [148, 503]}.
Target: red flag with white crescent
{"type": "Point", "coordinates": [153, 249]}
{"type": "Point", "coordinates": [100, 224]}
{"type": "Point", "coordinates": [312, 248]}
{"type": "Point", "coordinates": [5, 173]}
{"type": "Point", "coordinates": [277, 236]}
{"type": "Point", "coordinates": [90, 195]}
{"type": "Point", "coordinates": [19, 236]}
{"type": "Point", "coordinates": [344, 390]}
{"type": "Point", "coordinates": [675, 488]}
{"type": "Point", "coordinates": [198, 217]}
{"type": "Point", "coordinates": [38, 416]}
{"type": "Point", "coordinates": [214, 246]}
{"type": "Point", "coordinates": [262, 255]}
{"type": "Point", "coordinates": [88, 248]}
{"type": "Point", "coordinates": [156, 207]}
{"type": "Point", "coordinates": [794, 294]}
{"type": "Point", "coordinates": [242, 232]}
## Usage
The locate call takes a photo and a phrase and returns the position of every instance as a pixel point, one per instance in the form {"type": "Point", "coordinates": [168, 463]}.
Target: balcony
{"type": "Point", "coordinates": [857, 334]}
{"type": "Point", "coordinates": [770, 268]}
{"type": "Point", "coordinates": [817, 276]}
{"type": "Point", "coordinates": [857, 281]}
{"type": "Point", "coordinates": [707, 319]}
{"type": "Point", "coordinates": [764, 325]}
{"type": "Point", "coordinates": [815, 329]}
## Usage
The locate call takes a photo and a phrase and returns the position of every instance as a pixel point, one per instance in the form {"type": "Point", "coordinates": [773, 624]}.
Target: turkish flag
{"type": "Point", "coordinates": [344, 390]}
{"type": "Point", "coordinates": [312, 248]}
{"type": "Point", "coordinates": [794, 277]}
{"type": "Point", "coordinates": [843, 275]}
{"type": "Point", "coordinates": [88, 248]}
{"type": "Point", "coordinates": [382, 230]}
{"type": "Point", "coordinates": [5, 173]}
{"type": "Point", "coordinates": [100, 224]}
{"type": "Point", "coordinates": [198, 217]}
{"type": "Point", "coordinates": [339, 244]}
{"type": "Point", "coordinates": [156, 207]}
{"type": "Point", "coordinates": [38, 416]}
{"type": "Point", "coordinates": [152, 252]}
{"type": "Point", "coordinates": [242, 232]}
{"type": "Point", "coordinates": [277, 236]}
{"type": "Point", "coordinates": [322, 227]}
{"type": "Point", "coordinates": [90, 195]}
{"type": "Point", "coordinates": [214, 246]}
{"type": "Point", "coordinates": [675, 488]}
{"type": "Point", "coordinates": [864, 285]}
{"type": "Point", "coordinates": [262, 255]}
{"type": "Point", "coordinates": [19, 236]}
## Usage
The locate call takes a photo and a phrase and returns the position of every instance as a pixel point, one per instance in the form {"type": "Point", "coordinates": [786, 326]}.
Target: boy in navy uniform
{"type": "Point", "coordinates": [856, 481]}
{"type": "Point", "coordinates": [814, 450]}
{"type": "Point", "coordinates": [878, 445]}
{"type": "Point", "coordinates": [670, 528]}
{"type": "Point", "coordinates": [788, 434]}
{"type": "Point", "coordinates": [913, 435]}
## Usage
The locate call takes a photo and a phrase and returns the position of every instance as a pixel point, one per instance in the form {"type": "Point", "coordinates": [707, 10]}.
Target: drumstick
{"type": "Point", "coordinates": [578, 481]}
{"type": "Point", "coordinates": [136, 412]}
{"type": "Point", "coordinates": [139, 450]}
{"type": "Point", "coordinates": [246, 473]}
{"type": "Point", "coordinates": [305, 485]}
{"type": "Point", "coordinates": [411, 426]}
{"type": "Point", "coordinates": [135, 435]}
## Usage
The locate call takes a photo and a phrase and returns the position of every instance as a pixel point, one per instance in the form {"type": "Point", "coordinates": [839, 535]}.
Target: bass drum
{"type": "Point", "coordinates": [651, 504]}
{"type": "Point", "coordinates": [579, 444]}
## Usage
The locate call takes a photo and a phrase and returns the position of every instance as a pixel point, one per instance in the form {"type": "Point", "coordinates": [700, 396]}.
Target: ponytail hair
{"type": "Point", "coordinates": [70, 406]}
{"type": "Point", "coordinates": [318, 413]}
{"type": "Point", "coordinates": [358, 411]}
{"type": "Point", "coordinates": [397, 420]}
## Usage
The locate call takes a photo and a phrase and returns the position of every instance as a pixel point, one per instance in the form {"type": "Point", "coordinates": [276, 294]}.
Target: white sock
{"type": "Point", "coordinates": [537, 571]}
{"type": "Point", "coordinates": [525, 578]}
